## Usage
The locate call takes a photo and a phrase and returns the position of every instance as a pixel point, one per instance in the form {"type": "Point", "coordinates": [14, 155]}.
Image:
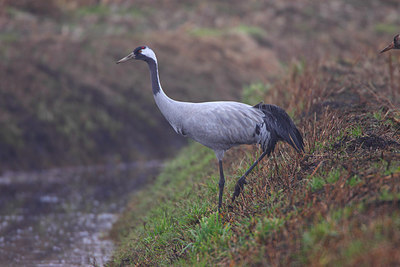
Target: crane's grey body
{"type": "Point", "coordinates": [221, 125]}
{"type": "Point", "coordinates": [217, 125]}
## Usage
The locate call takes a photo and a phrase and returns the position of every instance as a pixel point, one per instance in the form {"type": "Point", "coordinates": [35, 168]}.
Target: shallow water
{"type": "Point", "coordinates": [61, 217]}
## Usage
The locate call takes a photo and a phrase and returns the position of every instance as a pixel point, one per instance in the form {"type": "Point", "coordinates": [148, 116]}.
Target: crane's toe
{"type": "Point", "coordinates": [239, 187]}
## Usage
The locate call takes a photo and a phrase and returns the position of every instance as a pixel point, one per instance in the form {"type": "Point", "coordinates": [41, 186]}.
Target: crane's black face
{"type": "Point", "coordinates": [396, 41]}
{"type": "Point", "coordinates": [136, 54]}
{"type": "Point", "coordinates": [393, 45]}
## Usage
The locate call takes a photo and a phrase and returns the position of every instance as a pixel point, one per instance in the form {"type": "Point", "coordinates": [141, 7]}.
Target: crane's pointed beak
{"type": "Point", "coordinates": [128, 57]}
{"type": "Point", "coordinates": [391, 46]}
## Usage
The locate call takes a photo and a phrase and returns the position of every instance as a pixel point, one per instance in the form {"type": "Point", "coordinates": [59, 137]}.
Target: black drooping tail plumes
{"type": "Point", "coordinates": [278, 126]}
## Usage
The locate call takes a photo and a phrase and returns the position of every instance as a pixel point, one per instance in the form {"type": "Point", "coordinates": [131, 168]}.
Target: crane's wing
{"type": "Point", "coordinates": [221, 125]}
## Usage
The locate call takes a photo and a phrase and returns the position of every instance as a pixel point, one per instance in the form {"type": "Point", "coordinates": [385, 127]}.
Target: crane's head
{"type": "Point", "coordinates": [393, 45]}
{"type": "Point", "coordinates": [141, 53]}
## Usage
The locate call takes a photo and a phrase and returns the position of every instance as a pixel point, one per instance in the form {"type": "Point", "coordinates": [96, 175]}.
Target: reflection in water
{"type": "Point", "coordinates": [61, 216]}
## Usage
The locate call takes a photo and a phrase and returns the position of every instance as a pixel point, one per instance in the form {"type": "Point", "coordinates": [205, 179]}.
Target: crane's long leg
{"type": "Point", "coordinates": [242, 181]}
{"type": "Point", "coordinates": [221, 184]}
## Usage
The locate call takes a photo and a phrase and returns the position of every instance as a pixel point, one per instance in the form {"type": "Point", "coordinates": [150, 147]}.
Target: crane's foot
{"type": "Point", "coordinates": [239, 187]}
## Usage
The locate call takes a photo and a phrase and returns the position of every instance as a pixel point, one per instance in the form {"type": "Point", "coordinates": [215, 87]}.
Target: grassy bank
{"type": "Point", "coordinates": [337, 204]}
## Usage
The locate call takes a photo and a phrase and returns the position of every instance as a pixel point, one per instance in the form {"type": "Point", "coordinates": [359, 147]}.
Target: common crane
{"type": "Point", "coordinates": [224, 124]}
{"type": "Point", "coordinates": [393, 45]}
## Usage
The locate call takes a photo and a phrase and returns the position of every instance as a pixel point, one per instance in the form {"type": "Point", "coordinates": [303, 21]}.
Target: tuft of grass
{"type": "Point", "coordinates": [378, 115]}
{"type": "Point", "coordinates": [317, 182]}
{"type": "Point", "coordinates": [210, 235]}
{"type": "Point", "coordinates": [355, 131]}
{"type": "Point", "coordinates": [354, 180]}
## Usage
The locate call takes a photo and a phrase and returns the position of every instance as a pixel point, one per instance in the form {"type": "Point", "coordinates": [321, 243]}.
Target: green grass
{"type": "Point", "coordinates": [179, 212]}
{"type": "Point", "coordinates": [355, 131]}
{"type": "Point", "coordinates": [318, 181]}
{"type": "Point", "coordinates": [378, 115]}
{"type": "Point", "coordinates": [354, 180]}
{"type": "Point", "coordinates": [210, 235]}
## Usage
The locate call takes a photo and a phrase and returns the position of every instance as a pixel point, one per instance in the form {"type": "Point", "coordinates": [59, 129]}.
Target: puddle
{"type": "Point", "coordinates": [61, 217]}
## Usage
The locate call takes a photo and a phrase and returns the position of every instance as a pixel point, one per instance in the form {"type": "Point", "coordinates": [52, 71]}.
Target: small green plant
{"type": "Point", "coordinates": [163, 223]}
{"type": "Point", "coordinates": [318, 181]}
{"type": "Point", "coordinates": [355, 131]}
{"type": "Point", "coordinates": [354, 180]}
{"type": "Point", "coordinates": [377, 115]}
{"type": "Point", "coordinates": [195, 212]}
{"type": "Point", "coordinates": [333, 176]}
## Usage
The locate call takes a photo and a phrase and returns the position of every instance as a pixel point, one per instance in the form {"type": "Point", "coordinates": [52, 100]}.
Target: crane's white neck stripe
{"type": "Point", "coordinates": [149, 53]}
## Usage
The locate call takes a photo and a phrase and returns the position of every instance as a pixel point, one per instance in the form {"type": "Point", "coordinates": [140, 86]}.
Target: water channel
{"type": "Point", "coordinates": [60, 217]}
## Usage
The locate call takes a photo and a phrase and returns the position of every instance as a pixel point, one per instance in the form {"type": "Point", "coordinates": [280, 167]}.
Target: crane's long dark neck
{"type": "Point", "coordinates": [168, 107]}
{"type": "Point", "coordinates": [155, 80]}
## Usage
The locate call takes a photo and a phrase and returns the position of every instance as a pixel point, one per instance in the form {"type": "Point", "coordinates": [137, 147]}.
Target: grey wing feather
{"type": "Point", "coordinates": [221, 125]}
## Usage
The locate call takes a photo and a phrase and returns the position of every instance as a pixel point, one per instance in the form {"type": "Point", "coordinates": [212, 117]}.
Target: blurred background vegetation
{"type": "Point", "coordinates": [64, 101]}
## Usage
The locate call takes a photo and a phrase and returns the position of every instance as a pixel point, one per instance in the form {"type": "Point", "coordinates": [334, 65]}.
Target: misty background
{"type": "Point", "coordinates": [64, 101]}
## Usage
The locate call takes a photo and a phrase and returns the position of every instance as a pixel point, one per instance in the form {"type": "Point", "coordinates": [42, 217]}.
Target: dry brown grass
{"type": "Point", "coordinates": [351, 129]}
